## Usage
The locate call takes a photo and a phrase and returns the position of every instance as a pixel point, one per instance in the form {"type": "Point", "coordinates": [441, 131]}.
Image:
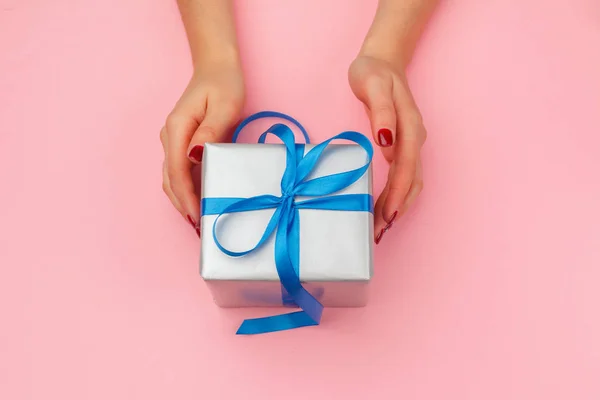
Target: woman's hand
{"type": "Point", "coordinates": [209, 107]}
{"type": "Point", "coordinates": [377, 78]}
{"type": "Point", "coordinates": [397, 128]}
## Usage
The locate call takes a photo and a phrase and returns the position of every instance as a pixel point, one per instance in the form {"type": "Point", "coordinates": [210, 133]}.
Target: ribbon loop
{"type": "Point", "coordinates": [285, 221]}
{"type": "Point", "coordinates": [251, 204]}
{"type": "Point", "coordinates": [268, 114]}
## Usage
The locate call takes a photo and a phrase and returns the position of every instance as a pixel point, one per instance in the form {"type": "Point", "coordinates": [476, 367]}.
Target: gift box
{"type": "Point", "coordinates": [315, 230]}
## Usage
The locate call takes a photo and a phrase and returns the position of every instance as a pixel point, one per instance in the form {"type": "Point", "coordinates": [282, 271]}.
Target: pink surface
{"type": "Point", "coordinates": [488, 289]}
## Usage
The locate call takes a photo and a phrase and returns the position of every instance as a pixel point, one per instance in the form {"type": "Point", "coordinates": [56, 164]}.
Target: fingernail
{"type": "Point", "coordinates": [385, 137]}
{"type": "Point", "coordinates": [196, 153]}
{"type": "Point", "coordinates": [191, 221]}
{"type": "Point", "coordinates": [198, 232]}
{"type": "Point", "coordinates": [387, 227]}
{"type": "Point", "coordinates": [378, 238]}
{"type": "Point", "coordinates": [390, 222]}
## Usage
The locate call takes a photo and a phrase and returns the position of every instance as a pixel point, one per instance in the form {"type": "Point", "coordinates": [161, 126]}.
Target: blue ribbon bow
{"type": "Point", "coordinates": [285, 221]}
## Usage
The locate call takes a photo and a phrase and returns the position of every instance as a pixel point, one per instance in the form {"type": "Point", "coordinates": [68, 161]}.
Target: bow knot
{"type": "Point", "coordinates": [286, 195]}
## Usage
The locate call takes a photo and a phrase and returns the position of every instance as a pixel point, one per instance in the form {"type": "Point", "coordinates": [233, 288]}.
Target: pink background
{"type": "Point", "coordinates": [488, 289]}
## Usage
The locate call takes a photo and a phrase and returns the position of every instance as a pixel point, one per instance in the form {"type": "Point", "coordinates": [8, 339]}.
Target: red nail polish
{"type": "Point", "coordinates": [191, 221]}
{"type": "Point", "coordinates": [378, 238]}
{"type": "Point", "coordinates": [390, 222]}
{"type": "Point", "coordinates": [196, 153]}
{"type": "Point", "coordinates": [198, 232]}
{"type": "Point", "coordinates": [385, 137]}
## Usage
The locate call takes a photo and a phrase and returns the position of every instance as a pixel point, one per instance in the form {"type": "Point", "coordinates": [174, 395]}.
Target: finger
{"type": "Point", "coordinates": [380, 223]}
{"type": "Point", "coordinates": [213, 129]}
{"type": "Point", "coordinates": [167, 189]}
{"type": "Point", "coordinates": [179, 132]}
{"type": "Point", "coordinates": [377, 95]}
{"type": "Point", "coordinates": [415, 189]}
{"type": "Point", "coordinates": [166, 185]}
{"type": "Point", "coordinates": [175, 201]}
{"type": "Point", "coordinates": [405, 166]}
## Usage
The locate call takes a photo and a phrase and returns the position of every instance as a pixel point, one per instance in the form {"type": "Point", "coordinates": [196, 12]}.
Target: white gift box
{"type": "Point", "coordinates": [336, 247]}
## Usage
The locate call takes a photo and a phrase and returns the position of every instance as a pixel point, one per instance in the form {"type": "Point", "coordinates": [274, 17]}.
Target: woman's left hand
{"type": "Point", "coordinates": [397, 128]}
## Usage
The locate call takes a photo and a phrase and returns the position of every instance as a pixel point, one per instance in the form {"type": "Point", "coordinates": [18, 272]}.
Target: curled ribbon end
{"type": "Point", "coordinates": [276, 323]}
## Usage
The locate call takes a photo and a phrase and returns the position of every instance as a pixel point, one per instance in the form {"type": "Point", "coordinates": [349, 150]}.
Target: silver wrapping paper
{"type": "Point", "coordinates": [335, 246]}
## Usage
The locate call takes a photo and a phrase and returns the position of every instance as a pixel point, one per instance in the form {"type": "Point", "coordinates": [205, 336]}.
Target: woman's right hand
{"type": "Point", "coordinates": [206, 112]}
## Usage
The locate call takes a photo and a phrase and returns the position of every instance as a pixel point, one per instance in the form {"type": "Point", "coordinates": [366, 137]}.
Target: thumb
{"type": "Point", "coordinates": [213, 128]}
{"type": "Point", "coordinates": [380, 103]}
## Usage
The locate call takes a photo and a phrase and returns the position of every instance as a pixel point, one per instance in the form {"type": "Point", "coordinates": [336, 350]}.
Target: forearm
{"type": "Point", "coordinates": [396, 28]}
{"type": "Point", "coordinates": [210, 28]}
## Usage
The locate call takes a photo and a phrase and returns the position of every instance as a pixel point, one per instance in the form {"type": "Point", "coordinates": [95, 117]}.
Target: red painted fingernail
{"type": "Point", "coordinates": [390, 222]}
{"type": "Point", "coordinates": [191, 221]}
{"type": "Point", "coordinates": [385, 137]}
{"type": "Point", "coordinates": [198, 232]}
{"type": "Point", "coordinates": [196, 153]}
{"type": "Point", "coordinates": [378, 238]}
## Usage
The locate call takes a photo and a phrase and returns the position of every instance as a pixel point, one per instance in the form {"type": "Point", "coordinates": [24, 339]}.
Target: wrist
{"type": "Point", "coordinates": [385, 50]}
{"type": "Point", "coordinates": [224, 56]}
{"type": "Point", "coordinates": [211, 33]}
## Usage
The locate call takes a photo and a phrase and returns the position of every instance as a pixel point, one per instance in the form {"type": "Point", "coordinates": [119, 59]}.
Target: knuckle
{"type": "Point", "coordinates": [415, 118]}
{"type": "Point", "coordinates": [423, 135]}
{"type": "Point", "coordinates": [163, 136]}
{"type": "Point", "coordinates": [173, 119]}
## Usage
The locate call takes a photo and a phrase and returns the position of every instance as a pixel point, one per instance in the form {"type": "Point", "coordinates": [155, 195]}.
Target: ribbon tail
{"type": "Point", "coordinates": [294, 253]}
{"type": "Point", "coordinates": [286, 259]}
{"type": "Point", "coordinates": [276, 323]}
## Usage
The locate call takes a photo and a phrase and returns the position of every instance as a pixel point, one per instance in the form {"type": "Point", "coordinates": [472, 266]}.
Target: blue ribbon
{"type": "Point", "coordinates": [285, 222]}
